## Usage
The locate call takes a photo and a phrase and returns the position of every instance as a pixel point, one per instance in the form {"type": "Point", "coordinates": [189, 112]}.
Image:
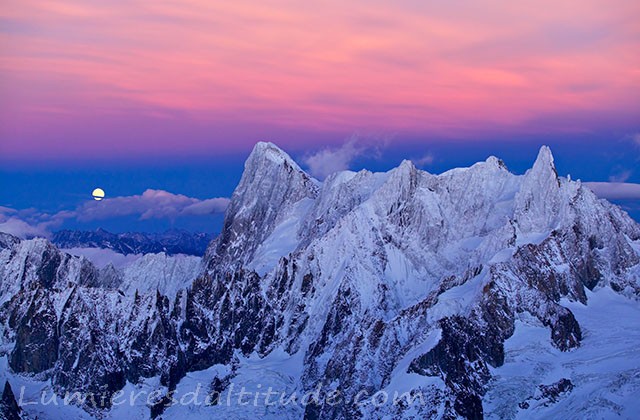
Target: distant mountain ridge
{"type": "Point", "coordinates": [174, 241]}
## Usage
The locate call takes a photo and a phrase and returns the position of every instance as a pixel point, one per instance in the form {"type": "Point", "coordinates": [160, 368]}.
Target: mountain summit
{"type": "Point", "coordinates": [481, 292]}
{"type": "Point", "coordinates": [270, 185]}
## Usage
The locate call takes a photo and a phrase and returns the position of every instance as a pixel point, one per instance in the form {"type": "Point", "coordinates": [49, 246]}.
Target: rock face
{"type": "Point", "coordinates": [369, 277]}
{"type": "Point", "coordinates": [271, 184]}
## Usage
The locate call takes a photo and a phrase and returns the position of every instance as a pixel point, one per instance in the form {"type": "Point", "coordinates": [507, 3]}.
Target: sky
{"type": "Point", "coordinates": [160, 102]}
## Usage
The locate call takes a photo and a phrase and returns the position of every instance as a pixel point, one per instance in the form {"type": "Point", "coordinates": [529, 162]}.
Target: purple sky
{"type": "Point", "coordinates": [88, 79]}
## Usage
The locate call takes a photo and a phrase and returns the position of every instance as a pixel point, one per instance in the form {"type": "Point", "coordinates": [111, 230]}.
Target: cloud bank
{"type": "Point", "coordinates": [615, 190]}
{"type": "Point", "coordinates": [20, 228]}
{"type": "Point", "coordinates": [151, 204]}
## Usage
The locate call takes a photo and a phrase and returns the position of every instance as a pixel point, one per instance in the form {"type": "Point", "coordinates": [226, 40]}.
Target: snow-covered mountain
{"type": "Point", "coordinates": [174, 241]}
{"type": "Point", "coordinates": [402, 294]}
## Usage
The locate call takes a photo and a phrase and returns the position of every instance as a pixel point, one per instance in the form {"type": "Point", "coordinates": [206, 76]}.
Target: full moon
{"type": "Point", "coordinates": [98, 194]}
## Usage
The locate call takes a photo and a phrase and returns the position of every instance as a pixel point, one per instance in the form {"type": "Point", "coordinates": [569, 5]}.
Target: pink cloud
{"type": "Point", "coordinates": [400, 66]}
{"type": "Point", "coordinates": [151, 204]}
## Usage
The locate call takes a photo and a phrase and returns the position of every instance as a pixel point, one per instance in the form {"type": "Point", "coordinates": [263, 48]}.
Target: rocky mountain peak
{"type": "Point", "coordinates": [494, 161]}
{"type": "Point", "coordinates": [544, 165]}
{"type": "Point", "coordinates": [271, 183]}
{"type": "Point", "coordinates": [538, 202]}
{"type": "Point", "coordinates": [268, 154]}
{"type": "Point", "coordinates": [267, 159]}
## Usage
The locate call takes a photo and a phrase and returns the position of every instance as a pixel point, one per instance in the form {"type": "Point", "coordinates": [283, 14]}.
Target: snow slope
{"type": "Point", "coordinates": [605, 369]}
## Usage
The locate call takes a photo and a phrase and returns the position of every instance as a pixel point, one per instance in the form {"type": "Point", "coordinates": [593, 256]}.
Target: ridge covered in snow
{"type": "Point", "coordinates": [364, 284]}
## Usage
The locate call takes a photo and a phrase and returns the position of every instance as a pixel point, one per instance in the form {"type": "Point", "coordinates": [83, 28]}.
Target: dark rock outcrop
{"type": "Point", "coordinates": [9, 409]}
{"type": "Point", "coordinates": [548, 394]}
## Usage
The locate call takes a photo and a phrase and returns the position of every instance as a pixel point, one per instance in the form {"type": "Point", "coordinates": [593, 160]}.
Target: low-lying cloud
{"type": "Point", "coordinates": [615, 190]}
{"type": "Point", "coordinates": [30, 222]}
{"type": "Point", "coordinates": [20, 228]}
{"type": "Point", "coordinates": [151, 204]}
